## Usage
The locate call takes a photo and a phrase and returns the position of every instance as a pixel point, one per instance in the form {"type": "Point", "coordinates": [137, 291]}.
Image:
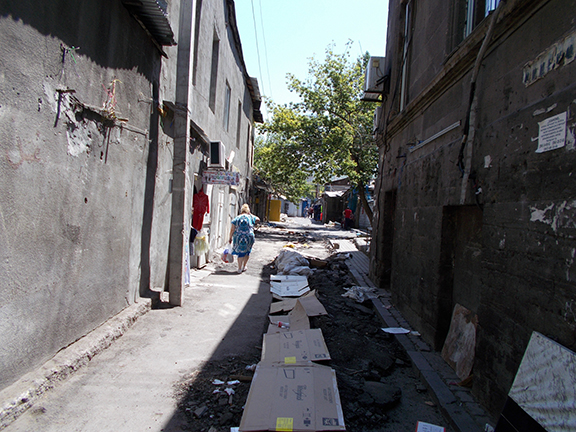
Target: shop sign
{"type": "Point", "coordinates": [220, 177]}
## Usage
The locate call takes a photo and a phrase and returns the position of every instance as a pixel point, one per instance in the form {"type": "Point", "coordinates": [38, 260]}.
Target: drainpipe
{"type": "Point", "coordinates": [470, 121]}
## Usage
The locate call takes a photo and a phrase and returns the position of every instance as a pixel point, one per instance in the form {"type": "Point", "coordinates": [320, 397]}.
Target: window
{"type": "Point", "coordinates": [239, 124]}
{"type": "Point", "coordinates": [214, 72]}
{"type": "Point", "coordinates": [196, 39]}
{"type": "Point", "coordinates": [477, 10]}
{"type": "Point", "coordinates": [226, 116]}
{"type": "Point", "coordinates": [466, 15]}
{"type": "Point", "coordinates": [249, 152]}
{"type": "Point", "coordinates": [490, 6]}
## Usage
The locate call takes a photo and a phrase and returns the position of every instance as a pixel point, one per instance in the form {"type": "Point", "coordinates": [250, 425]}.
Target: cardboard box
{"type": "Point", "coordinates": [290, 278]}
{"type": "Point", "coordinates": [293, 398]}
{"type": "Point", "coordinates": [289, 288]}
{"type": "Point", "coordinates": [294, 347]}
{"type": "Point", "coordinates": [296, 320]}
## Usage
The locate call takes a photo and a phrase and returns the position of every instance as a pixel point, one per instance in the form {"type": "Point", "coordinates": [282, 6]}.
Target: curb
{"type": "Point", "coordinates": [455, 408]}
{"type": "Point", "coordinates": [449, 405]}
{"type": "Point", "coordinates": [20, 396]}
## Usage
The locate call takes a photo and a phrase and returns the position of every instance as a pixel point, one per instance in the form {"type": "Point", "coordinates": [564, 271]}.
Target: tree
{"type": "Point", "coordinates": [277, 164]}
{"type": "Point", "coordinates": [329, 132]}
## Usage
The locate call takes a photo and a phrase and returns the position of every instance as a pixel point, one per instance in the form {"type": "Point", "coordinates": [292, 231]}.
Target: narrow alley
{"type": "Point", "coordinates": [159, 375]}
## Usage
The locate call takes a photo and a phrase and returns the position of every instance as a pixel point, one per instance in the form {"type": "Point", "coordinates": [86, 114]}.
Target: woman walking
{"type": "Point", "coordinates": [242, 236]}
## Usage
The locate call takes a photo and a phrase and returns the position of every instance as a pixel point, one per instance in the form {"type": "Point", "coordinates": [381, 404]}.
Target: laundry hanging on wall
{"type": "Point", "coordinates": [201, 205]}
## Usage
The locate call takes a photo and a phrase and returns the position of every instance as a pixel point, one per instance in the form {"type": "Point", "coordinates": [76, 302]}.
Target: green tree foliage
{"type": "Point", "coordinates": [277, 163]}
{"type": "Point", "coordinates": [329, 132]}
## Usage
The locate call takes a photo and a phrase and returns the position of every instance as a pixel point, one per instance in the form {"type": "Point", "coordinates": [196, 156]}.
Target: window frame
{"type": "Point", "coordinates": [226, 112]}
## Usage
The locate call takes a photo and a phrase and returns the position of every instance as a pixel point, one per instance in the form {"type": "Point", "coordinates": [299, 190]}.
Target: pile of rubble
{"type": "Point", "coordinates": [330, 344]}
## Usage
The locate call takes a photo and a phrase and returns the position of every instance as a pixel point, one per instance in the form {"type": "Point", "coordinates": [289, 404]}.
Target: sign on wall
{"type": "Point", "coordinates": [220, 177]}
{"type": "Point", "coordinates": [552, 133]}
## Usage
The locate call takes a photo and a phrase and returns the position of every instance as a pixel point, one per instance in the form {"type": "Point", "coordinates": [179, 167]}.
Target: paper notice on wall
{"type": "Point", "coordinates": [552, 133]}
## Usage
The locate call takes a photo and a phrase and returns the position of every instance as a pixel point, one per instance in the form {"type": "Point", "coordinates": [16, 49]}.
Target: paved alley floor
{"type": "Point", "coordinates": [130, 385]}
{"type": "Point", "coordinates": [133, 385]}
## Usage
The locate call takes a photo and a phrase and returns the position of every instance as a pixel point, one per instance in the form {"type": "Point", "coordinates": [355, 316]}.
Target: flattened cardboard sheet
{"type": "Point", "coordinates": [294, 347]}
{"type": "Point", "coordinates": [296, 320]}
{"type": "Point", "coordinates": [309, 301]}
{"type": "Point", "coordinates": [285, 305]}
{"type": "Point", "coordinates": [295, 398]}
{"type": "Point", "coordinates": [312, 305]}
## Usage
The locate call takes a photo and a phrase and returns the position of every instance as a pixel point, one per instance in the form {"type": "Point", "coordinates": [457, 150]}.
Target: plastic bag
{"type": "Point", "coordinates": [288, 257]}
{"type": "Point", "coordinates": [201, 244]}
{"type": "Point", "coordinates": [227, 256]}
{"type": "Point", "coordinates": [297, 270]}
{"type": "Point", "coordinates": [360, 294]}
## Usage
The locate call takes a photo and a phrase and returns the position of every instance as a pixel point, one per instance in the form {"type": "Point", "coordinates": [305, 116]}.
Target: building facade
{"type": "Point", "coordinates": [475, 195]}
{"type": "Point", "coordinates": [108, 112]}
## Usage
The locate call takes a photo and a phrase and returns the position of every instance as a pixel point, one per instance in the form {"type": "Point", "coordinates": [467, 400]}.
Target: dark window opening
{"type": "Point", "coordinates": [214, 72]}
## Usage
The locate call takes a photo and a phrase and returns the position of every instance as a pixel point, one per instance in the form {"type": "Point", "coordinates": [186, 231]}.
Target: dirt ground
{"type": "Point", "coordinates": [378, 388]}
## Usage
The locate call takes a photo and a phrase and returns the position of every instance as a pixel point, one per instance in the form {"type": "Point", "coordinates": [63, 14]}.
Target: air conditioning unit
{"type": "Point", "coordinates": [217, 154]}
{"type": "Point", "coordinates": [375, 73]}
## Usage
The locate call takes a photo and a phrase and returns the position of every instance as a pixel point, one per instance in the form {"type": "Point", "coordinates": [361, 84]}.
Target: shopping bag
{"type": "Point", "coordinates": [227, 256]}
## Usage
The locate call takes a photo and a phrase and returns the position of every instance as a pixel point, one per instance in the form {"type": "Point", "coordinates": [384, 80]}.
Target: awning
{"type": "Point", "coordinates": [152, 15]}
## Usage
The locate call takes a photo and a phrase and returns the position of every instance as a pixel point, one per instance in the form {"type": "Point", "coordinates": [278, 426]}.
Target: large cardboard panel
{"type": "Point", "coordinates": [295, 398]}
{"type": "Point", "coordinates": [294, 347]}
{"type": "Point", "coordinates": [545, 384]}
{"type": "Point", "coordinates": [312, 305]}
{"type": "Point", "coordinates": [460, 345]}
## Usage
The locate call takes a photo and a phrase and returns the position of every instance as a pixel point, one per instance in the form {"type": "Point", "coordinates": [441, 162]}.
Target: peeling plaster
{"type": "Point", "coordinates": [562, 215]}
{"type": "Point", "coordinates": [82, 133]}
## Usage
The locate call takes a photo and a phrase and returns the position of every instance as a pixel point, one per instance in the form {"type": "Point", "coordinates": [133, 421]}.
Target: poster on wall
{"type": "Point", "coordinates": [552, 133]}
{"type": "Point", "coordinates": [220, 177]}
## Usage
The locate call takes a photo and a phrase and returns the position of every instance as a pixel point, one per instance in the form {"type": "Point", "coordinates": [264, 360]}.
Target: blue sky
{"type": "Point", "coordinates": [292, 31]}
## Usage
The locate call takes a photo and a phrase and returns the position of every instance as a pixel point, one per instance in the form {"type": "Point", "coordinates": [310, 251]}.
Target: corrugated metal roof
{"type": "Point", "coordinates": [152, 14]}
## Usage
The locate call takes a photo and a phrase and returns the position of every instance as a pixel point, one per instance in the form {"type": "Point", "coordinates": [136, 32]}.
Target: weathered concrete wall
{"type": "Point", "coordinates": [214, 24]}
{"type": "Point", "coordinates": [507, 252]}
{"type": "Point", "coordinates": [73, 183]}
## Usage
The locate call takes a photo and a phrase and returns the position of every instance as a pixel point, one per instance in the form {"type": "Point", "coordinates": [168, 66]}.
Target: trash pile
{"type": "Point", "coordinates": [291, 388]}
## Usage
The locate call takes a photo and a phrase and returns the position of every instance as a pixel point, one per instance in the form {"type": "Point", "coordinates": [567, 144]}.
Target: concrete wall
{"type": "Point", "coordinates": [505, 251]}
{"type": "Point", "coordinates": [76, 201]}
{"type": "Point", "coordinates": [215, 22]}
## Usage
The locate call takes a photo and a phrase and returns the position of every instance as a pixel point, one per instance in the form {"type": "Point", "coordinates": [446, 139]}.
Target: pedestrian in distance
{"type": "Point", "coordinates": [348, 218]}
{"type": "Point", "coordinates": [242, 236]}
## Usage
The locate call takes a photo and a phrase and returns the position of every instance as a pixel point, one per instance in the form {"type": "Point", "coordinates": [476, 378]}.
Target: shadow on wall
{"type": "Point", "coordinates": [102, 30]}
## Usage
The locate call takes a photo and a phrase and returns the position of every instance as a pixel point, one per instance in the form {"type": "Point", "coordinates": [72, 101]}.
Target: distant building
{"type": "Point", "coordinates": [476, 191]}
{"type": "Point", "coordinates": [109, 115]}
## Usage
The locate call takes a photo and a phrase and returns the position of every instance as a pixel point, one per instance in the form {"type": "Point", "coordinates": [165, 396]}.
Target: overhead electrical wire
{"type": "Point", "coordinates": [265, 49]}
{"type": "Point", "coordinates": [257, 47]}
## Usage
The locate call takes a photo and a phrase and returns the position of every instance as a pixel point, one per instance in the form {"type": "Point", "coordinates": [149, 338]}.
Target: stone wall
{"type": "Point", "coordinates": [506, 251]}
